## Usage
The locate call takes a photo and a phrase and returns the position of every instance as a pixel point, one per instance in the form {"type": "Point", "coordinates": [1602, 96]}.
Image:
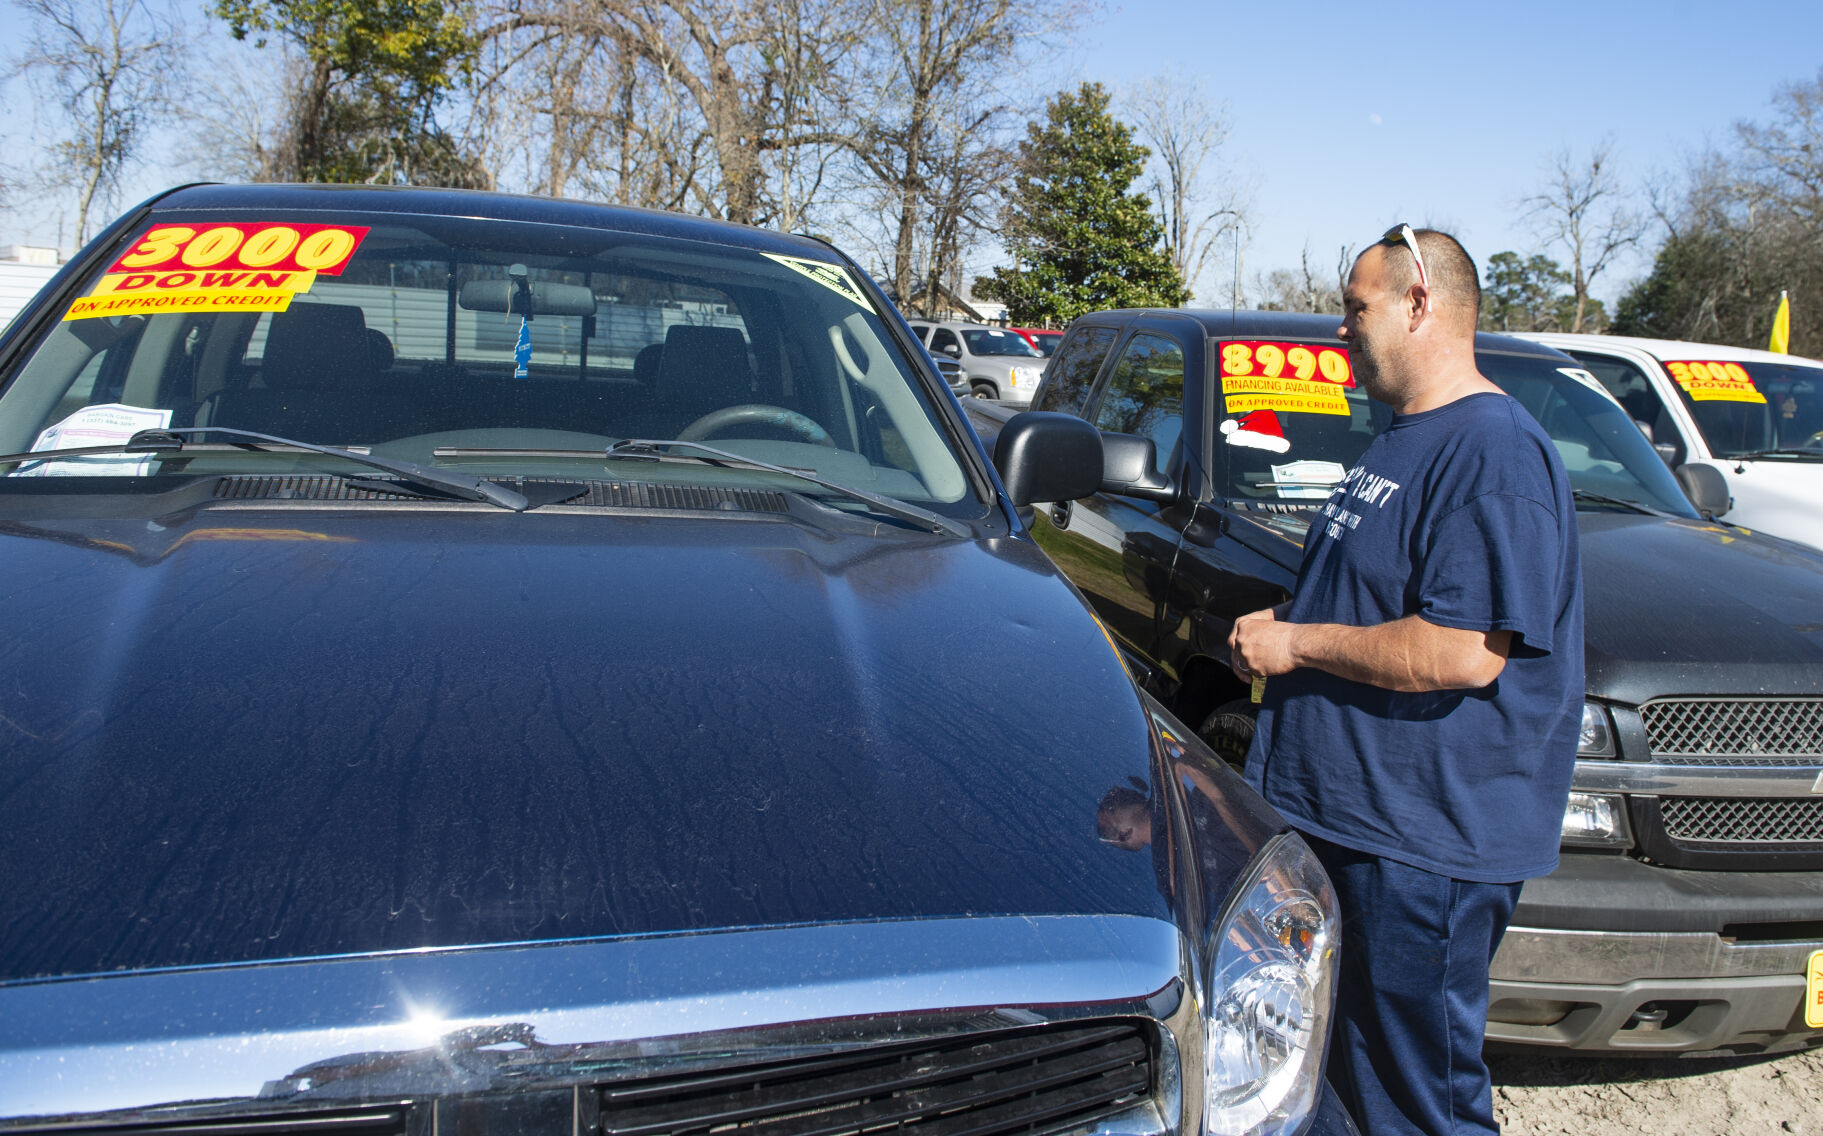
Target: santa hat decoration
{"type": "Point", "coordinates": [1258, 430]}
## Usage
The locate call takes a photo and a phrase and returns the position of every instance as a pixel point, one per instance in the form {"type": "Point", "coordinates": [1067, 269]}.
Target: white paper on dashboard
{"type": "Point", "coordinates": [1306, 479]}
{"type": "Point", "coordinates": [109, 424]}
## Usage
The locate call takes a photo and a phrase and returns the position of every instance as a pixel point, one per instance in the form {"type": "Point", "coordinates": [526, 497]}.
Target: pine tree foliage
{"type": "Point", "coordinates": [1079, 240]}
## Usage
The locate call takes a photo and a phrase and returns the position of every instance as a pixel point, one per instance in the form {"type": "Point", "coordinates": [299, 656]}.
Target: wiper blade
{"type": "Point", "coordinates": [168, 439]}
{"type": "Point", "coordinates": [144, 442]}
{"type": "Point", "coordinates": [653, 448]}
{"type": "Point", "coordinates": [461, 485]}
{"type": "Point", "coordinates": [1604, 499]}
{"type": "Point", "coordinates": [1776, 452]}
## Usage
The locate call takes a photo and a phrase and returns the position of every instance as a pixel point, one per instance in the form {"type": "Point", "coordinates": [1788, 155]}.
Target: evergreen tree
{"type": "Point", "coordinates": [1532, 295]}
{"type": "Point", "coordinates": [1080, 241]}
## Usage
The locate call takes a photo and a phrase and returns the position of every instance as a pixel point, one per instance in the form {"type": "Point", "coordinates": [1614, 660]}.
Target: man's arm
{"type": "Point", "coordinates": [1406, 655]}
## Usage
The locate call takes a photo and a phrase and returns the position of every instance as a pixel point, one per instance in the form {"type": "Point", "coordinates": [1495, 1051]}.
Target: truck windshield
{"type": "Point", "coordinates": [1602, 448]}
{"type": "Point", "coordinates": [1299, 456]}
{"type": "Point", "coordinates": [993, 341]}
{"type": "Point", "coordinates": [502, 348]}
{"type": "Point", "coordinates": [1778, 408]}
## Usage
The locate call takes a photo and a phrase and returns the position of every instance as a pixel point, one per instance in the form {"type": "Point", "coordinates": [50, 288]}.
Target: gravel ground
{"type": "Point", "coordinates": [1731, 1096]}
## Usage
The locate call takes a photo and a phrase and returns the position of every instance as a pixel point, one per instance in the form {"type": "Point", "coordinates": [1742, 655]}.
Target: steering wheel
{"type": "Point", "coordinates": [754, 414]}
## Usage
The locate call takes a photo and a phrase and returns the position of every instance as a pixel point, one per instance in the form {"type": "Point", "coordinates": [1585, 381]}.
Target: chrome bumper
{"type": "Point", "coordinates": [550, 1018]}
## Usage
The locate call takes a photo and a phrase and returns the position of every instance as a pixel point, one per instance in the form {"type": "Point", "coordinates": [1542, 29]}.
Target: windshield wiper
{"type": "Point", "coordinates": [168, 439]}
{"type": "Point", "coordinates": [1776, 452]}
{"type": "Point", "coordinates": [652, 449]}
{"type": "Point", "coordinates": [1604, 499]}
{"type": "Point", "coordinates": [465, 486]}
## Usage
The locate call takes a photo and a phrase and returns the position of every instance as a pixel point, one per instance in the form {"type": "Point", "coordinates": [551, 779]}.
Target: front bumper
{"type": "Point", "coordinates": [1608, 954]}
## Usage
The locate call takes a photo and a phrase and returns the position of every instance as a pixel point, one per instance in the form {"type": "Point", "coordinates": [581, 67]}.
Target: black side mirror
{"type": "Point", "coordinates": [1706, 488]}
{"type": "Point", "coordinates": [1046, 456]}
{"type": "Point", "coordinates": [1129, 467]}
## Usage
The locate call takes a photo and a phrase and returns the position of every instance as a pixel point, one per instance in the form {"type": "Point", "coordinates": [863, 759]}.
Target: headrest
{"type": "Point", "coordinates": [703, 368]}
{"type": "Point", "coordinates": [645, 364]}
{"type": "Point", "coordinates": [317, 347]}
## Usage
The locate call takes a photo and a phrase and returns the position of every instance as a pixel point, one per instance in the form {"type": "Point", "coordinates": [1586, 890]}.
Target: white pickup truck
{"type": "Point", "coordinates": [1755, 417]}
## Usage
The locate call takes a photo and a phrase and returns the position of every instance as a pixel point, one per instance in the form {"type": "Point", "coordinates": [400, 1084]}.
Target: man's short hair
{"type": "Point", "coordinates": [1453, 277]}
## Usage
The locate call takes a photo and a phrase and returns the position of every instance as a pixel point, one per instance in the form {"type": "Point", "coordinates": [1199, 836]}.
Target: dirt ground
{"type": "Point", "coordinates": [1732, 1096]}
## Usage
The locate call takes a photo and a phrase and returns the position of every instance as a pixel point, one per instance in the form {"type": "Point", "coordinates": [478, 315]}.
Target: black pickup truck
{"type": "Point", "coordinates": [1687, 914]}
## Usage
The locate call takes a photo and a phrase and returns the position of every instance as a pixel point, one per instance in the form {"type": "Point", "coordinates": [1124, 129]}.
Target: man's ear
{"type": "Point", "coordinates": [1417, 305]}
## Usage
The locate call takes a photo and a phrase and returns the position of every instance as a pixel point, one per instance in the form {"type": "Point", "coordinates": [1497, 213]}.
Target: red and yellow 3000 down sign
{"type": "Point", "coordinates": [1715, 382]}
{"type": "Point", "coordinates": [1303, 377]}
{"type": "Point", "coordinates": [219, 268]}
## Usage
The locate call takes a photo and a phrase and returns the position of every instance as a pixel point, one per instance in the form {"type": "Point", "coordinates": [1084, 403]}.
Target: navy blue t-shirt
{"type": "Point", "coordinates": [1462, 516]}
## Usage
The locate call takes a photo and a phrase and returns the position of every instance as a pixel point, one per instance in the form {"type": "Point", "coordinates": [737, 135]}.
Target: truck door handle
{"type": "Point", "coordinates": [1060, 514]}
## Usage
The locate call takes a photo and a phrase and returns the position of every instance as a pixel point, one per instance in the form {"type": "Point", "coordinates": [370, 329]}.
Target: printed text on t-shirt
{"type": "Point", "coordinates": [1366, 488]}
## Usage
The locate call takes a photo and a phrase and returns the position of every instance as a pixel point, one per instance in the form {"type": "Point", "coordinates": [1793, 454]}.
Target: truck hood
{"type": "Point", "coordinates": [289, 735]}
{"type": "Point", "coordinates": [1687, 607]}
{"type": "Point", "coordinates": [1670, 606]}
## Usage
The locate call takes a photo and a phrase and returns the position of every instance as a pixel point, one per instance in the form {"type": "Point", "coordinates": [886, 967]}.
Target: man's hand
{"type": "Point", "coordinates": [1261, 645]}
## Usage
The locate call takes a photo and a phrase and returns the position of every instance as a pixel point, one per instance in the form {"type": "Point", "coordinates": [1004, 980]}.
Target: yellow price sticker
{"type": "Point", "coordinates": [1714, 382]}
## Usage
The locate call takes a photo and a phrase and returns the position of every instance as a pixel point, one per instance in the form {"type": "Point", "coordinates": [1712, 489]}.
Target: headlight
{"type": "Point", "coordinates": [1597, 736]}
{"type": "Point", "coordinates": [1596, 820]}
{"type": "Point", "coordinates": [1273, 980]}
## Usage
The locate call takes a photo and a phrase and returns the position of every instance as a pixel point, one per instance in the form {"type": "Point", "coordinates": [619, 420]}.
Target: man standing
{"type": "Point", "coordinates": [1420, 722]}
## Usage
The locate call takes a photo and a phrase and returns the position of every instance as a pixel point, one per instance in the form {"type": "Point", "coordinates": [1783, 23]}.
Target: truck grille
{"type": "Point", "coordinates": [1744, 820]}
{"type": "Point", "coordinates": [1014, 1082]}
{"type": "Point", "coordinates": [1735, 731]}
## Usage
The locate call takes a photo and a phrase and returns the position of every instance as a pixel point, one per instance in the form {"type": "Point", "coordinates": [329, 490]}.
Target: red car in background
{"type": "Point", "coordinates": [1042, 338]}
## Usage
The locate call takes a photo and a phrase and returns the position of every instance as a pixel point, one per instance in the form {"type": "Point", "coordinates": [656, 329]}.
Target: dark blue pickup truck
{"type": "Point", "coordinates": [1687, 913]}
{"type": "Point", "coordinates": [497, 665]}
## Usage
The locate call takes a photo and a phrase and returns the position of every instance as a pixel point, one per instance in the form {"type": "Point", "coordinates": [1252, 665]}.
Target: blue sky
{"type": "Point", "coordinates": [1348, 117]}
{"type": "Point", "coordinates": [1352, 117]}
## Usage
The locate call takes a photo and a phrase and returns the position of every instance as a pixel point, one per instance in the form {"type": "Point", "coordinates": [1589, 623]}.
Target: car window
{"type": "Point", "coordinates": [1634, 391]}
{"type": "Point", "coordinates": [922, 331]}
{"type": "Point", "coordinates": [1145, 396]}
{"type": "Point", "coordinates": [1602, 450]}
{"type": "Point", "coordinates": [1745, 408]}
{"type": "Point", "coordinates": [1293, 420]}
{"type": "Point", "coordinates": [417, 343]}
{"type": "Point", "coordinates": [1071, 373]}
{"type": "Point", "coordinates": [944, 341]}
{"type": "Point", "coordinates": [994, 341]}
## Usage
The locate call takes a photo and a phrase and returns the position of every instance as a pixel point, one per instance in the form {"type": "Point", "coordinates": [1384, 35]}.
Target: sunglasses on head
{"type": "Point", "coordinates": [1402, 234]}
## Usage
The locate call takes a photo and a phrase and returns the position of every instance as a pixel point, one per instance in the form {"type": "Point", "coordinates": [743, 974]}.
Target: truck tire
{"type": "Point", "coordinates": [1228, 730]}
{"type": "Point", "coordinates": [986, 390]}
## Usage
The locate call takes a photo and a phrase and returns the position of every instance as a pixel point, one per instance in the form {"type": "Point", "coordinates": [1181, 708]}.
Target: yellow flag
{"type": "Point", "coordinates": [1781, 327]}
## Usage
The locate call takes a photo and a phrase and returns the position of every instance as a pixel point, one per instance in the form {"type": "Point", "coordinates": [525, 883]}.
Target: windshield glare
{"type": "Point", "coordinates": [418, 346]}
{"type": "Point", "coordinates": [993, 341]}
{"type": "Point", "coordinates": [1787, 416]}
{"type": "Point", "coordinates": [1602, 450]}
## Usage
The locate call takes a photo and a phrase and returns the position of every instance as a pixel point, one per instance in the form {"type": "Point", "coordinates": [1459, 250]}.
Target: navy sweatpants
{"type": "Point", "coordinates": [1412, 1004]}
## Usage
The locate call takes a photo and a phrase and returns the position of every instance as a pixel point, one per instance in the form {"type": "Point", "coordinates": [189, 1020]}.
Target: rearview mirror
{"type": "Point", "coordinates": [1706, 488]}
{"type": "Point", "coordinates": [548, 298]}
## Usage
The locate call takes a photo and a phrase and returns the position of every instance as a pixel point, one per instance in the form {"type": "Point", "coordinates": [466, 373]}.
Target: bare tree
{"type": "Point", "coordinates": [941, 60]}
{"type": "Point", "coordinates": [1184, 128]}
{"type": "Point", "coordinates": [105, 69]}
{"type": "Point", "coordinates": [740, 86]}
{"type": "Point", "coordinates": [1584, 210]}
{"type": "Point", "coordinates": [1787, 155]}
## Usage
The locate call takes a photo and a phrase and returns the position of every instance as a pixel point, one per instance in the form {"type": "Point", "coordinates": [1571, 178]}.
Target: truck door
{"type": "Point", "coordinates": [1120, 550]}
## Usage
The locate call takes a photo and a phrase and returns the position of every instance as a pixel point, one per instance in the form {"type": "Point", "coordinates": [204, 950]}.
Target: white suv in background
{"type": "Point", "coordinates": [1000, 364]}
{"type": "Point", "coordinates": [1755, 417]}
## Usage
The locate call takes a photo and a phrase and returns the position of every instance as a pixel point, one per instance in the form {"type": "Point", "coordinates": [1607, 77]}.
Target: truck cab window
{"type": "Point", "coordinates": [1145, 396]}
{"type": "Point", "coordinates": [1073, 371]}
